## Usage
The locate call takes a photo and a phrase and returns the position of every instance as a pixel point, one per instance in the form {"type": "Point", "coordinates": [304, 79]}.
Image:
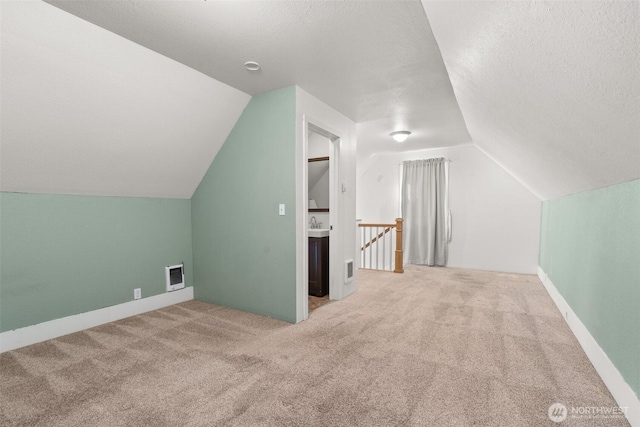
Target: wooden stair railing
{"type": "Point", "coordinates": [379, 236]}
{"type": "Point", "coordinates": [398, 264]}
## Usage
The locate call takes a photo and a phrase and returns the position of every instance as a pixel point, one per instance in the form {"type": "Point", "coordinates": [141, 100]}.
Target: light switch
{"type": "Point", "coordinates": [281, 209]}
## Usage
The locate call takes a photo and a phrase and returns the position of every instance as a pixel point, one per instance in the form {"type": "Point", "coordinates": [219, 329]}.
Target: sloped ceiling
{"type": "Point", "coordinates": [85, 111]}
{"type": "Point", "coordinates": [374, 61]}
{"type": "Point", "coordinates": [549, 90]}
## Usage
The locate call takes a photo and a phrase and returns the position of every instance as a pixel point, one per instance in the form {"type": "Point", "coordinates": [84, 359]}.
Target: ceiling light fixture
{"type": "Point", "coordinates": [401, 135]}
{"type": "Point", "coordinates": [252, 66]}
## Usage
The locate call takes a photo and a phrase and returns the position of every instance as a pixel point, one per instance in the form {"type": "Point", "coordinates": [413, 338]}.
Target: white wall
{"type": "Point", "coordinates": [319, 146]}
{"type": "Point", "coordinates": [496, 220]}
{"type": "Point", "coordinates": [87, 112]}
{"type": "Point", "coordinates": [547, 88]}
{"type": "Point", "coordinates": [343, 206]}
{"type": "Point", "coordinates": [320, 190]}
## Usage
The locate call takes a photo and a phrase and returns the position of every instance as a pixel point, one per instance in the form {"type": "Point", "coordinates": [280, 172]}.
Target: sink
{"type": "Point", "coordinates": [318, 232]}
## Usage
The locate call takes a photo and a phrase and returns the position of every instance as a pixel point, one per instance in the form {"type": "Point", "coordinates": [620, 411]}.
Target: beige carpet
{"type": "Point", "coordinates": [431, 347]}
{"type": "Point", "coordinates": [317, 302]}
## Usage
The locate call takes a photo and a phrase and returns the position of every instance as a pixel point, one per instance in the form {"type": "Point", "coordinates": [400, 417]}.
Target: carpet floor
{"type": "Point", "coordinates": [317, 302]}
{"type": "Point", "coordinates": [430, 347]}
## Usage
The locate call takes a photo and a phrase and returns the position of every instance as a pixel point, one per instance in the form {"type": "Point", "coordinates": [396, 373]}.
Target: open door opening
{"type": "Point", "coordinates": [322, 148]}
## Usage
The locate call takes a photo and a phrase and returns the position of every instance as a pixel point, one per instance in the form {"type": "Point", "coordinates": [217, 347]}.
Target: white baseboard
{"type": "Point", "coordinates": [615, 382]}
{"type": "Point", "coordinates": [10, 340]}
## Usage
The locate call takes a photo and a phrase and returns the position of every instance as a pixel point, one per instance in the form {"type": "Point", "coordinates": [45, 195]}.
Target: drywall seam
{"type": "Point", "coordinates": [615, 382]}
{"type": "Point", "coordinates": [22, 337]}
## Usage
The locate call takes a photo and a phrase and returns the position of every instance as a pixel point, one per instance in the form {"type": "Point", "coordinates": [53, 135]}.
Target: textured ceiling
{"type": "Point", "coordinates": [85, 111]}
{"type": "Point", "coordinates": [549, 90]}
{"type": "Point", "coordinates": [374, 61]}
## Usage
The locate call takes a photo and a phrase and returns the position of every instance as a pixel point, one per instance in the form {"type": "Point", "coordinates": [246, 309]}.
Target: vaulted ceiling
{"type": "Point", "coordinates": [87, 112]}
{"type": "Point", "coordinates": [550, 90]}
{"type": "Point", "coordinates": [137, 97]}
{"type": "Point", "coordinates": [375, 62]}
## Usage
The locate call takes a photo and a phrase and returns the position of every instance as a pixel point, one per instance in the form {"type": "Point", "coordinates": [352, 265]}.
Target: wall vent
{"type": "Point", "coordinates": [348, 271]}
{"type": "Point", "coordinates": [175, 277]}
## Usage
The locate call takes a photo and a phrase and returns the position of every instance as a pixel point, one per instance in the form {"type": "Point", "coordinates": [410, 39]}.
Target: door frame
{"type": "Point", "coordinates": [334, 208]}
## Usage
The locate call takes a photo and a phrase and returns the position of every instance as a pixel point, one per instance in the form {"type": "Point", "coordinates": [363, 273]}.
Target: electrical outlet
{"type": "Point", "coordinates": [137, 293]}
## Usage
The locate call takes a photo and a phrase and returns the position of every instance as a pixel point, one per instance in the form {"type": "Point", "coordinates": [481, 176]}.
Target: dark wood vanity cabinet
{"type": "Point", "coordinates": [318, 266]}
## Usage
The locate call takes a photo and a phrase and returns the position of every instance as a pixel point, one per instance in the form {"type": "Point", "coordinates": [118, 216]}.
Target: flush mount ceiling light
{"type": "Point", "coordinates": [252, 66]}
{"type": "Point", "coordinates": [400, 136]}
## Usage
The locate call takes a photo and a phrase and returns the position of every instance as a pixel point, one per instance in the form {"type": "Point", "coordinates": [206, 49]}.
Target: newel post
{"type": "Point", "coordinates": [399, 268]}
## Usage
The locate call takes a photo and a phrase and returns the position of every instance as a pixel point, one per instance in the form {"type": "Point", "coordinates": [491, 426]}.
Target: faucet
{"type": "Point", "coordinates": [313, 223]}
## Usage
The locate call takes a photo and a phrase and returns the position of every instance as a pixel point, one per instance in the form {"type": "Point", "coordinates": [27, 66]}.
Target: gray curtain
{"type": "Point", "coordinates": [424, 210]}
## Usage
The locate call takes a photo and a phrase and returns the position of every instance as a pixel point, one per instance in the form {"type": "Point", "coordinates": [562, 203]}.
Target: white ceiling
{"type": "Point", "coordinates": [85, 111]}
{"type": "Point", "coordinates": [550, 90]}
{"type": "Point", "coordinates": [374, 61]}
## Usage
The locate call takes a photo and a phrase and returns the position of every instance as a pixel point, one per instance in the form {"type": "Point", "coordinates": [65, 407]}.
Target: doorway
{"type": "Point", "coordinates": [320, 211]}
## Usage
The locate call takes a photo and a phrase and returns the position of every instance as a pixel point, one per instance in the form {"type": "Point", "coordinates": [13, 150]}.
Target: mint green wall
{"type": "Point", "coordinates": [62, 255]}
{"type": "Point", "coordinates": [590, 249]}
{"type": "Point", "coordinates": [244, 252]}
